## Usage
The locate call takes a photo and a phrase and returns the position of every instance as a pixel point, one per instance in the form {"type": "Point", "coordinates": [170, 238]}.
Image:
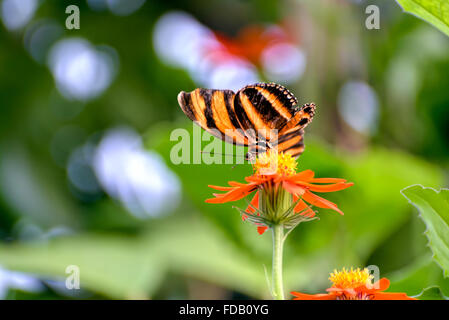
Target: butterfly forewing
{"type": "Point", "coordinates": [262, 108]}
{"type": "Point", "coordinates": [213, 110]}
{"type": "Point", "coordinates": [281, 100]}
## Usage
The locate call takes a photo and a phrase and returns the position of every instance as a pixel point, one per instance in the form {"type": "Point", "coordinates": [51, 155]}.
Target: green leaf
{"type": "Point", "coordinates": [114, 266]}
{"type": "Point", "coordinates": [431, 293]}
{"type": "Point", "coordinates": [423, 273]}
{"type": "Point", "coordinates": [434, 211]}
{"type": "Point", "coordinates": [121, 267]}
{"type": "Point", "coordinates": [436, 12]}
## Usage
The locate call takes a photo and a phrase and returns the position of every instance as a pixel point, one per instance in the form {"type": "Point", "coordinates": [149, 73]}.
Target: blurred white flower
{"type": "Point", "coordinates": [117, 7]}
{"type": "Point", "coordinates": [283, 62]}
{"type": "Point", "coordinates": [233, 74]}
{"type": "Point", "coordinates": [40, 36]}
{"type": "Point", "coordinates": [136, 177]}
{"type": "Point", "coordinates": [17, 13]}
{"type": "Point", "coordinates": [80, 171]}
{"type": "Point", "coordinates": [17, 280]}
{"type": "Point", "coordinates": [124, 7]}
{"type": "Point", "coordinates": [81, 71]}
{"type": "Point", "coordinates": [358, 105]}
{"type": "Point", "coordinates": [181, 41]}
{"type": "Point", "coordinates": [26, 231]}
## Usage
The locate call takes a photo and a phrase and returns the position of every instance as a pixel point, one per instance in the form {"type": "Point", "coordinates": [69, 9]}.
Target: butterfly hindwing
{"type": "Point", "coordinates": [291, 142]}
{"type": "Point", "coordinates": [291, 136]}
{"type": "Point", "coordinates": [302, 118]}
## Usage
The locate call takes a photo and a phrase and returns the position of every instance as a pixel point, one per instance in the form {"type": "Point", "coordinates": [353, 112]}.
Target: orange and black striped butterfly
{"type": "Point", "coordinates": [261, 116]}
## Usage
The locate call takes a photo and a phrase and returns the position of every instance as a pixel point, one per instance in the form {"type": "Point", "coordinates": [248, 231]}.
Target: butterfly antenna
{"type": "Point", "coordinates": [223, 154]}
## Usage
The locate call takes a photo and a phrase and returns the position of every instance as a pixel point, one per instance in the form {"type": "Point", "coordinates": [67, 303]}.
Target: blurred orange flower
{"type": "Point", "coordinates": [252, 40]}
{"type": "Point", "coordinates": [274, 172]}
{"type": "Point", "coordinates": [354, 285]}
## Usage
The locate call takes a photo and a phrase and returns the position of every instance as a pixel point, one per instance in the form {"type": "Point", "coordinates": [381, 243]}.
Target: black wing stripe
{"type": "Point", "coordinates": [297, 151]}
{"type": "Point", "coordinates": [288, 136]}
{"type": "Point", "coordinates": [284, 95]}
{"type": "Point", "coordinates": [302, 118]}
{"type": "Point", "coordinates": [229, 102]}
{"type": "Point", "coordinates": [185, 102]}
{"type": "Point", "coordinates": [291, 143]}
{"type": "Point", "coordinates": [294, 149]}
{"type": "Point", "coordinates": [241, 115]}
{"type": "Point", "coordinates": [268, 113]}
{"type": "Point", "coordinates": [206, 94]}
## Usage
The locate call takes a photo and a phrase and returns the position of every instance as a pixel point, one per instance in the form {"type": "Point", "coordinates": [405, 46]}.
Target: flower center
{"type": "Point", "coordinates": [357, 296]}
{"type": "Point", "coordinates": [350, 279]}
{"type": "Point", "coordinates": [272, 162]}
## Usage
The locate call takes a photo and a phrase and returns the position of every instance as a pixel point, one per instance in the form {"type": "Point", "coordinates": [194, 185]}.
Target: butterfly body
{"type": "Point", "coordinates": [261, 116]}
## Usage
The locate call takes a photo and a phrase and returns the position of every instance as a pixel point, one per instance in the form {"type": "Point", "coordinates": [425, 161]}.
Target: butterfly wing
{"type": "Point", "coordinates": [250, 116]}
{"type": "Point", "coordinates": [291, 136]}
{"type": "Point", "coordinates": [291, 143]}
{"type": "Point", "coordinates": [213, 110]}
{"type": "Point", "coordinates": [302, 118]}
{"type": "Point", "coordinates": [262, 107]}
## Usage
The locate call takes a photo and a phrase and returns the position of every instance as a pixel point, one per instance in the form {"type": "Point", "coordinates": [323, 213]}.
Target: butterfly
{"type": "Point", "coordinates": [261, 116]}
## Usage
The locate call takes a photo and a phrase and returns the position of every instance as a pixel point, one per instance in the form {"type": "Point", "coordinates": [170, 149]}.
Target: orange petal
{"type": "Point", "coordinates": [391, 296]}
{"type": "Point", "coordinates": [384, 284]}
{"type": "Point", "coordinates": [235, 194]}
{"type": "Point", "coordinates": [340, 291]}
{"type": "Point", "coordinates": [220, 188]}
{"type": "Point", "coordinates": [326, 180]}
{"type": "Point", "coordinates": [261, 230]}
{"type": "Point", "coordinates": [326, 188]}
{"type": "Point", "coordinates": [320, 202]}
{"type": "Point", "coordinates": [301, 206]}
{"type": "Point", "coordinates": [380, 285]}
{"type": "Point", "coordinates": [253, 204]}
{"type": "Point", "coordinates": [305, 175]}
{"type": "Point", "coordinates": [216, 200]}
{"type": "Point", "coordinates": [257, 179]}
{"type": "Point", "coordinates": [293, 188]}
{"type": "Point", "coordinates": [236, 184]}
{"type": "Point", "coordinates": [241, 192]}
{"type": "Point", "coordinates": [320, 296]}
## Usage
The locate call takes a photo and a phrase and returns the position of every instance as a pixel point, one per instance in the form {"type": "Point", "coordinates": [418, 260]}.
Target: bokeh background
{"type": "Point", "coordinates": [85, 122]}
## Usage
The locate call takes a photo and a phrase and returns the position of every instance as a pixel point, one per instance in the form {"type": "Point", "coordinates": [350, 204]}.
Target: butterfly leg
{"type": "Point", "coordinates": [256, 149]}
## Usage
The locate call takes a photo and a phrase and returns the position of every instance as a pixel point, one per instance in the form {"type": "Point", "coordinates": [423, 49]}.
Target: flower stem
{"type": "Point", "coordinates": [278, 246]}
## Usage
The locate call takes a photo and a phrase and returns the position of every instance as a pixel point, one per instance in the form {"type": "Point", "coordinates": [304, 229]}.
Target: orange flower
{"type": "Point", "coordinates": [274, 174]}
{"type": "Point", "coordinates": [354, 285]}
{"type": "Point", "coordinates": [251, 41]}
